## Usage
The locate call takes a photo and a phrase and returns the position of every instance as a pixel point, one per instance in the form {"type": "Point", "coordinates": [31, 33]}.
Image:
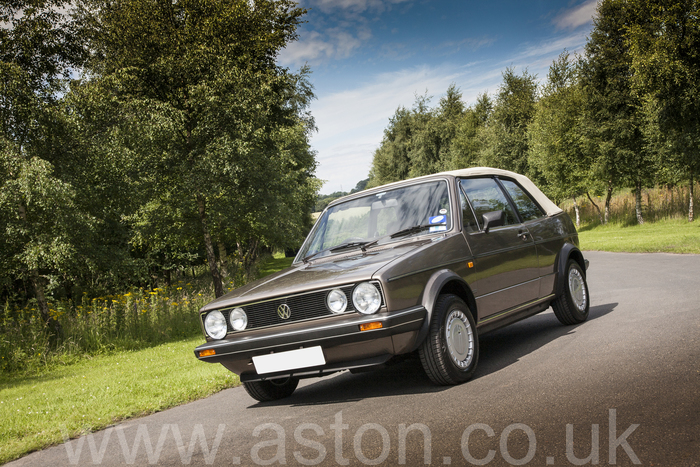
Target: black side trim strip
{"type": "Point", "coordinates": [518, 308]}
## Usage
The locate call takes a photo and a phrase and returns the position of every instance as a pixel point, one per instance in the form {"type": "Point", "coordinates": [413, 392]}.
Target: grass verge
{"type": "Point", "coordinates": [274, 264]}
{"type": "Point", "coordinates": [36, 411]}
{"type": "Point", "coordinates": [72, 395]}
{"type": "Point", "coordinates": [664, 236]}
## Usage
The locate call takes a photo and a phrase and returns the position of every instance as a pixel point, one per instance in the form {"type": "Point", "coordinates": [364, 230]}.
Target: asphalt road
{"type": "Point", "coordinates": [622, 388]}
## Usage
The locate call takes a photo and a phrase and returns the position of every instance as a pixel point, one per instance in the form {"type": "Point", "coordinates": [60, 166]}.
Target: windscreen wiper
{"type": "Point", "coordinates": [345, 246]}
{"type": "Point", "coordinates": [306, 259]}
{"type": "Point", "coordinates": [414, 229]}
{"type": "Point", "coordinates": [340, 247]}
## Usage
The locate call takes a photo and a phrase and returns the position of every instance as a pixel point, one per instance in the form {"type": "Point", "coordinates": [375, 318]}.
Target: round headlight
{"type": "Point", "coordinates": [337, 301]}
{"type": "Point", "coordinates": [366, 298]}
{"type": "Point", "coordinates": [238, 319]}
{"type": "Point", "coordinates": [215, 325]}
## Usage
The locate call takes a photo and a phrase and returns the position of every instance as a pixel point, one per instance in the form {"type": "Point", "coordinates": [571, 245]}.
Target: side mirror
{"type": "Point", "coordinates": [493, 219]}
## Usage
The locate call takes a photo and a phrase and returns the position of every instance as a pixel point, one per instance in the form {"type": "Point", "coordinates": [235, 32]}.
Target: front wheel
{"type": "Point", "coordinates": [572, 306]}
{"type": "Point", "coordinates": [271, 390]}
{"type": "Point", "coordinates": [450, 352]}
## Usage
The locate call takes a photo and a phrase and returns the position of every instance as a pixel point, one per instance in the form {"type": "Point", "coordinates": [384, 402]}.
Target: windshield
{"type": "Point", "coordinates": [410, 210]}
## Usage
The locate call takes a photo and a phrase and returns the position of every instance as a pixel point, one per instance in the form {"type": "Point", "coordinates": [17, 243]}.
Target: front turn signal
{"type": "Point", "coordinates": [370, 326]}
{"type": "Point", "coordinates": [207, 353]}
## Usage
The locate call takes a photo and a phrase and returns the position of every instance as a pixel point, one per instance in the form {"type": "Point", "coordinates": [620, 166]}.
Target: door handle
{"type": "Point", "coordinates": [523, 235]}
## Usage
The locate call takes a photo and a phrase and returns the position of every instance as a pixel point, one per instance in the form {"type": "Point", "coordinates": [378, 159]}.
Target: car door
{"type": "Point", "coordinates": [505, 258]}
{"type": "Point", "coordinates": [548, 233]}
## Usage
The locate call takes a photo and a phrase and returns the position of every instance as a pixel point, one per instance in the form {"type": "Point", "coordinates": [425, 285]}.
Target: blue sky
{"type": "Point", "coordinates": [368, 57]}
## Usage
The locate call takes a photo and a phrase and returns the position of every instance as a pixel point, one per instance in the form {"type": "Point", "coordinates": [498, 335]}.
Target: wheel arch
{"type": "Point", "coordinates": [568, 251]}
{"type": "Point", "coordinates": [444, 281]}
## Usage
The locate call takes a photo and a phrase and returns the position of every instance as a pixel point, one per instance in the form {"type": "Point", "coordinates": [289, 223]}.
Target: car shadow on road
{"type": "Point", "coordinates": [498, 350]}
{"type": "Point", "coordinates": [502, 348]}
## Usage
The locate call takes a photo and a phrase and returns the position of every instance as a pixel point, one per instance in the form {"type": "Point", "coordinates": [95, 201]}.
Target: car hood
{"type": "Point", "coordinates": [337, 270]}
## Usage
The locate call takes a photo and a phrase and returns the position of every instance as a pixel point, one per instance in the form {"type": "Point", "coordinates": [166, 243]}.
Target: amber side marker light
{"type": "Point", "coordinates": [207, 353]}
{"type": "Point", "coordinates": [470, 264]}
{"type": "Point", "coordinates": [370, 326]}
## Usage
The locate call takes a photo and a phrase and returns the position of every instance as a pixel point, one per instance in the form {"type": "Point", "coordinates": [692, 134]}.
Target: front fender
{"type": "Point", "coordinates": [433, 287]}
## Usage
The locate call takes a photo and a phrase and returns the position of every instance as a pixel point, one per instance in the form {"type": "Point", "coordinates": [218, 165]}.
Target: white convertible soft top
{"type": "Point", "coordinates": [525, 182]}
{"type": "Point", "coordinates": [546, 204]}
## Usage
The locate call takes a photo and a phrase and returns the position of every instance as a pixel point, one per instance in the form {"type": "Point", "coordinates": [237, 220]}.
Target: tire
{"type": "Point", "coordinates": [271, 390]}
{"type": "Point", "coordinates": [450, 352]}
{"type": "Point", "coordinates": [572, 306]}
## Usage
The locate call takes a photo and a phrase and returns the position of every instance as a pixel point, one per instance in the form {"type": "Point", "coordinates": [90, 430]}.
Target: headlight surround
{"type": "Point", "coordinates": [336, 301]}
{"type": "Point", "coordinates": [366, 298]}
{"type": "Point", "coordinates": [215, 325]}
{"type": "Point", "coordinates": [238, 319]}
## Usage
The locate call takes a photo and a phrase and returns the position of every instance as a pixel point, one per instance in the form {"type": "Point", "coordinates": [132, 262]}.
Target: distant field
{"type": "Point", "coordinates": [664, 236]}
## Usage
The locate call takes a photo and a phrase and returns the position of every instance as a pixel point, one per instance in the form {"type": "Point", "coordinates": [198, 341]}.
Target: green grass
{"type": "Point", "coordinates": [664, 236]}
{"type": "Point", "coordinates": [274, 264]}
{"type": "Point", "coordinates": [75, 394]}
{"type": "Point", "coordinates": [93, 393]}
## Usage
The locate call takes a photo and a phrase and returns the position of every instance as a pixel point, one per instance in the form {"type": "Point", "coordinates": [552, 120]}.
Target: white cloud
{"type": "Point", "coordinates": [311, 49]}
{"type": "Point", "coordinates": [574, 43]}
{"type": "Point", "coordinates": [355, 6]}
{"type": "Point", "coordinates": [577, 16]}
{"type": "Point", "coordinates": [350, 32]}
{"type": "Point", "coordinates": [333, 43]}
{"type": "Point", "coordinates": [470, 43]}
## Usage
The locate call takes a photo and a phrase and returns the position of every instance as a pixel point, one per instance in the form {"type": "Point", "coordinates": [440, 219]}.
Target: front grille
{"type": "Point", "coordinates": [310, 305]}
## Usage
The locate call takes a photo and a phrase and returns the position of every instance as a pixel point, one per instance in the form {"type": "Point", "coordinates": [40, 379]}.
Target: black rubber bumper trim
{"type": "Point", "coordinates": [334, 333]}
{"type": "Point", "coordinates": [315, 372]}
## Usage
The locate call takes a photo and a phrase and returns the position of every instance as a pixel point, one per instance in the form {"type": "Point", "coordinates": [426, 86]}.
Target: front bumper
{"type": "Point", "coordinates": [344, 345]}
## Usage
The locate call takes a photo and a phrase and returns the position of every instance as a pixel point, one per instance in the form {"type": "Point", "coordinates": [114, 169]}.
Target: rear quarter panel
{"type": "Point", "coordinates": [550, 234]}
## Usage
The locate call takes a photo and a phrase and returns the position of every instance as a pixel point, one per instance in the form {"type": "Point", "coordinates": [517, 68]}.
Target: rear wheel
{"type": "Point", "coordinates": [572, 306]}
{"type": "Point", "coordinates": [451, 351]}
{"type": "Point", "coordinates": [271, 390]}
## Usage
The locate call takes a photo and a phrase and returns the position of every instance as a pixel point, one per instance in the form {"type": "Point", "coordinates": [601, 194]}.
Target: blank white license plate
{"type": "Point", "coordinates": [292, 360]}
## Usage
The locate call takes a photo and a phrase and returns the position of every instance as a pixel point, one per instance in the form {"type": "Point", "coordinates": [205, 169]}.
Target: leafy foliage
{"type": "Point", "coordinates": [143, 138]}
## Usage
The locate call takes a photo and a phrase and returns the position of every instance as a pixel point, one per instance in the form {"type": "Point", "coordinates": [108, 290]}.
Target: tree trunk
{"type": "Point", "coordinates": [691, 214]}
{"type": "Point", "coordinates": [578, 214]}
{"type": "Point", "coordinates": [638, 202]}
{"type": "Point", "coordinates": [209, 247]}
{"type": "Point", "coordinates": [597, 208]}
{"type": "Point", "coordinates": [54, 326]}
{"type": "Point", "coordinates": [608, 197]}
{"type": "Point", "coordinates": [55, 329]}
{"type": "Point", "coordinates": [223, 258]}
{"type": "Point", "coordinates": [250, 257]}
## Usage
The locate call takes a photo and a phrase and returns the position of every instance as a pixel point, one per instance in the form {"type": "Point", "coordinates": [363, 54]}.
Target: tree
{"type": "Point", "coordinates": [664, 39]}
{"type": "Point", "coordinates": [418, 141]}
{"type": "Point", "coordinates": [466, 145]}
{"type": "Point", "coordinates": [612, 124]}
{"type": "Point", "coordinates": [505, 140]}
{"type": "Point", "coordinates": [391, 161]}
{"type": "Point", "coordinates": [40, 221]}
{"type": "Point", "coordinates": [557, 156]}
{"type": "Point", "coordinates": [224, 126]}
